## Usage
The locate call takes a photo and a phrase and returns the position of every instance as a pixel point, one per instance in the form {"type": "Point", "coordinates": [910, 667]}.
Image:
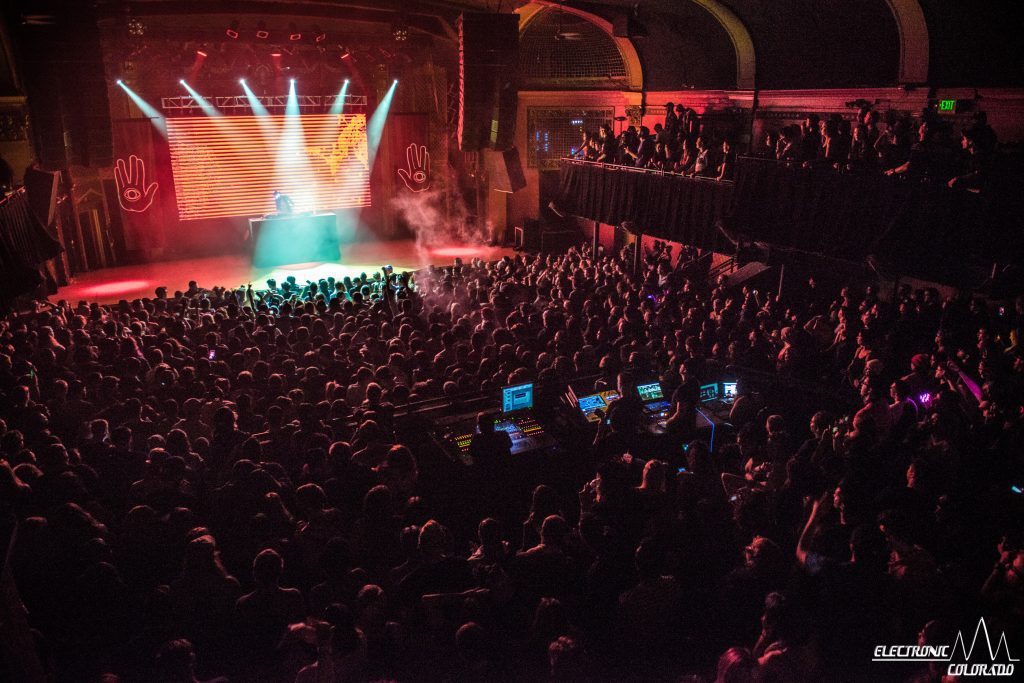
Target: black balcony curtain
{"type": "Point", "coordinates": [24, 246]}
{"type": "Point", "coordinates": [666, 206]}
{"type": "Point", "coordinates": [920, 229]}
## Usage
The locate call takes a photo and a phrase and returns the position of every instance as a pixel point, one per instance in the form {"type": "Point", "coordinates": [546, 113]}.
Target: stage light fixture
{"type": "Point", "coordinates": [136, 29]}
{"type": "Point", "coordinates": [119, 82]}
{"type": "Point", "coordinates": [345, 53]}
{"type": "Point", "coordinates": [261, 31]}
{"type": "Point", "coordinates": [241, 81]}
{"type": "Point", "coordinates": [319, 35]}
{"type": "Point", "coordinates": [400, 31]}
{"type": "Point", "coordinates": [294, 33]}
{"type": "Point", "coordinates": [232, 30]}
{"type": "Point", "coordinates": [38, 19]}
{"type": "Point", "coordinates": [197, 65]}
{"type": "Point", "coordinates": [181, 81]}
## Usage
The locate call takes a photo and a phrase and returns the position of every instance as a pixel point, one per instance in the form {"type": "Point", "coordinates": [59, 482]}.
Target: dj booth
{"type": "Point", "coordinates": [295, 238]}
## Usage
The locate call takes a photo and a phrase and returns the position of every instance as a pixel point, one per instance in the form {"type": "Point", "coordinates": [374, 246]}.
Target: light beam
{"type": "Point", "coordinates": [293, 158]}
{"type": "Point", "coordinates": [375, 126]}
{"type": "Point", "coordinates": [254, 103]}
{"type": "Point", "coordinates": [339, 103]}
{"type": "Point", "coordinates": [203, 103]}
{"type": "Point", "coordinates": [148, 110]}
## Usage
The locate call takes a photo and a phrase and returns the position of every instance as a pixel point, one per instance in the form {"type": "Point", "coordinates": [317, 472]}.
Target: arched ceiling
{"type": "Point", "coordinates": [782, 44]}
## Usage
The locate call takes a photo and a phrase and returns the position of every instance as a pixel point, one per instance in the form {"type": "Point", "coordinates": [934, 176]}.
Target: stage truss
{"type": "Point", "coordinates": [186, 105]}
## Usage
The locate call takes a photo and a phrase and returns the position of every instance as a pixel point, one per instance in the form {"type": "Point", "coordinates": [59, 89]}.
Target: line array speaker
{"type": "Point", "coordinates": [488, 83]}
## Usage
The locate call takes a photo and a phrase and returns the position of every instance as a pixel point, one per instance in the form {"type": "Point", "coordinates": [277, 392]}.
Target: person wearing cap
{"type": "Point", "coordinates": [920, 379]}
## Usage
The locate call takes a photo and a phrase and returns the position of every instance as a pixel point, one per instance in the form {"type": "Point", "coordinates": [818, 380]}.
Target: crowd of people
{"type": "Point", "coordinates": [679, 145]}
{"type": "Point", "coordinates": [217, 482]}
{"type": "Point", "coordinates": [927, 148]}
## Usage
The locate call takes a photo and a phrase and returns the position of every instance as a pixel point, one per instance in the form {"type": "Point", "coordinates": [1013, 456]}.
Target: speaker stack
{"type": "Point", "coordinates": [507, 171]}
{"type": "Point", "coordinates": [488, 84]}
{"type": "Point", "coordinates": [67, 89]}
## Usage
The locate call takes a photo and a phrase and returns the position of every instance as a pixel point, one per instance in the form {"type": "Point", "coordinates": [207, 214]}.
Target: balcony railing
{"type": "Point", "coordinates": [677, 207]}
{"type": "Point", "coordinates": [922, 229]}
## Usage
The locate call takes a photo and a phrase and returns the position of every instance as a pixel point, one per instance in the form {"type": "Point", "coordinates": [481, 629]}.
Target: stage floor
{"type": "Point", "coordinates": [131, 282]}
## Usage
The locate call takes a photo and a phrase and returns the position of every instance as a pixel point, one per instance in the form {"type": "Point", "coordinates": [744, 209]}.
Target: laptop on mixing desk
{"type": "Point", "coordinates": [652, 396]}
{"type": "Point", "coordinates": [589, 405]}
{"type": "Point", "coordinates": [709, 393]}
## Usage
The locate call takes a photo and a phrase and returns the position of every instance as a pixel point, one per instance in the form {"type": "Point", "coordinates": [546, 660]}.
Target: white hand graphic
{"type": "Point", "coordinates": [417, 177]}
{"type": "Point", "coordinates": [132, 192]}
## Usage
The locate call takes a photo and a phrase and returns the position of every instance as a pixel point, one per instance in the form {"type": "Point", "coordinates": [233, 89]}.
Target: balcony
{"type": "Point", "coordinates": [921, 229]}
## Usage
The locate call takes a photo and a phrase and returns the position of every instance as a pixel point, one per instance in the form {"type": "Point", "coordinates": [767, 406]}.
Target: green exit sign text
{"type": "Point", "coordinates": [947, 105]}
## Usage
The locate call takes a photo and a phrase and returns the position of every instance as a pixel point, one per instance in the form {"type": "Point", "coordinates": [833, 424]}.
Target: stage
{"type": "Point", "coordinates": [110, 285]}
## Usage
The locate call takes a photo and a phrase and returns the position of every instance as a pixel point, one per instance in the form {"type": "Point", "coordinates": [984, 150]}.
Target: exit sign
{"type": "Point", "coordinates": [947, 105]}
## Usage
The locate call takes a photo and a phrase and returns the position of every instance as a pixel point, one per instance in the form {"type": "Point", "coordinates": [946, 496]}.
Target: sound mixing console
{"type": "Point", "coordinates": [656, 408]}
{"type": "Point", "coordinates": [516, 419]}
{"type": "Point", "coordinates": [716, 401]}
{"type": "Point", "coordinates": [526, 432]}
{"type": "Point", "coordinates": [589, 405]}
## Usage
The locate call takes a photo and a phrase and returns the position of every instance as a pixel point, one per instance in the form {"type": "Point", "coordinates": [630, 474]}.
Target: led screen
{"type": "Point", "coordinates": [519, 397]}
{"type": "Point", "coordinates": [591, 403]}
{"type": "Point", "coordinates": [231, 165]}
{"type": "Point", "coordinates": [650, 392]}
{"type": "Point", "coordinates": [708, 392]}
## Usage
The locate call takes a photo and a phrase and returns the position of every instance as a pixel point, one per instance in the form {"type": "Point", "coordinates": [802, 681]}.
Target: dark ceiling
{"type": "Point", "coordinates": [798, 43]}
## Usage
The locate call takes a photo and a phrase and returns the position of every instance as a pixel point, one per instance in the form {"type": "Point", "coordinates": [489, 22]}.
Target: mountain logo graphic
{"type": "Point", "coordinates": [1001, 644]}
{"type": "Point", "coordinates": [958, 656]}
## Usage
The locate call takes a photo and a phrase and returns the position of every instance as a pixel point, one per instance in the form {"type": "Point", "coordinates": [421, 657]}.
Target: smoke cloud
{"type": "Point", "coordinates": [433, 226]}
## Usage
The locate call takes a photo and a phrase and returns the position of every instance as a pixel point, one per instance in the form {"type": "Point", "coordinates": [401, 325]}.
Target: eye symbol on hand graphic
{"type": "Point", "coordinates": [417, 176]}
{"type": "Point", "coordinates": [132, 192]}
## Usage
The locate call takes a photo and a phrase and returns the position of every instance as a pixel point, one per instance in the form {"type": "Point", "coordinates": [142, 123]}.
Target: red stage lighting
{"type": "Point", "coordinates": [319, 36]}
{"type": "Point", "coordinates": [456, 252]}
{"type": "Point", "coordinates": [261, 31]}
{"type": "Point", "coordinates": [232, 30]}
{"type": "Point", "coordinates": [197, 65]}
{"type": "Point", "coordinates": [117, 287]}
{"type": "Point", "coordinates": [294, 33]}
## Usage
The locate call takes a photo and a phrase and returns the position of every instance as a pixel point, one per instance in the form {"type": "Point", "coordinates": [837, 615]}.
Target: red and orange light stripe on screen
{"type": "Point", "coordinates": [231, 165]}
